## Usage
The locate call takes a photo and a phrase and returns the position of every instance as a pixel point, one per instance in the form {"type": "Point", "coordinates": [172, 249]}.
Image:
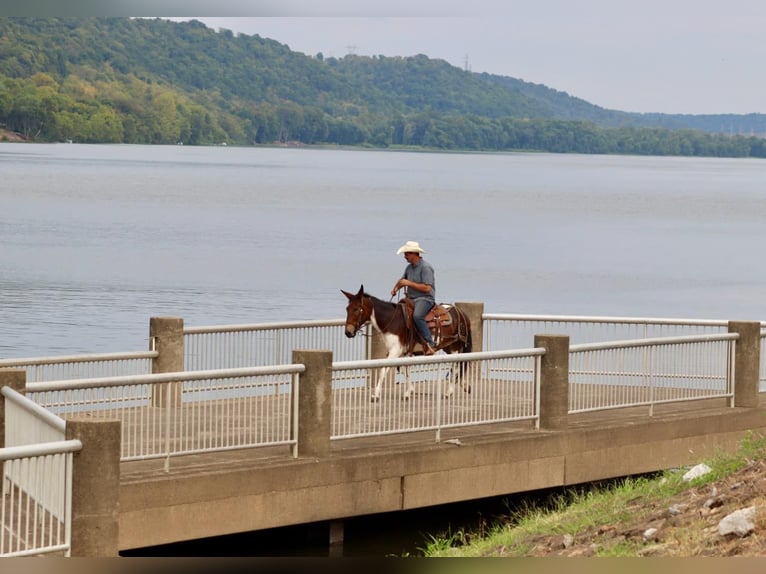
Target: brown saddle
{"type": "Point", "coordinates": [438, 317]}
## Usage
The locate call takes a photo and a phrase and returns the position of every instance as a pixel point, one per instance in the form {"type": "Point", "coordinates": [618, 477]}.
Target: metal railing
{"type": "Point", "coordinates": [504, 386]}
{"type": "Point", "coordinates": [232, 346]}
{"type": "Point", "coordinates": [648, 372]}
{"type": "Point", "coordinates": [83, 366]}
{"type": "Point", "coordinates": [169, 414]}
{"type": "Point", "coordinates": [506, 330]}
{"type": "Point", "coordinates": [31, 525]}
{"type": "Point", "coordinates": [513, 331]}
{"type": "Point", "coordinates": [36, 462]}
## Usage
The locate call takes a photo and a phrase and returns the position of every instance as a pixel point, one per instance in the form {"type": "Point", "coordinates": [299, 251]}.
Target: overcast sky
{"type": "Point", "coordinates": [672, 56]}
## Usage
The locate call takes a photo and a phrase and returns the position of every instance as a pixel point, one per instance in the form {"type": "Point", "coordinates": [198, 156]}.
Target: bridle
{"type": "Point", "coordinates": [358, 322]}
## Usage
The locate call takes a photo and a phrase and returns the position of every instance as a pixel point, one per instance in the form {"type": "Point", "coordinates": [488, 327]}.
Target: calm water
{"type": "Point", "coordinates": [95, 240]}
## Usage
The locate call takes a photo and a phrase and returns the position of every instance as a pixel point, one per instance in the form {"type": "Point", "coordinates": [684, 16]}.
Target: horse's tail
{"type": "Point", "coordinates": [468, 344]}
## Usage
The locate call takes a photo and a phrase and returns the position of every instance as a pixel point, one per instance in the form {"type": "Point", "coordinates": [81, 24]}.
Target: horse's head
{"type": "Point", "coordinates": [358, 311]}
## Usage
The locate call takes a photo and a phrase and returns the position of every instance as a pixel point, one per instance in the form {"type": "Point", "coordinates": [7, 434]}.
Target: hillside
{"type": "Point", "coordinates": [156, 81]}
{"type": "Point", "coordinates": [716, 512]}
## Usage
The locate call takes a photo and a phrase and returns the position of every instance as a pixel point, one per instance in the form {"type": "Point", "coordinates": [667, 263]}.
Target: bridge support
{"type": "Point", "coordinates": [95, 487]}
{"type": "Point", "coordinates": [166, 336]}
{"type": "Point", "coordinates": [314, 403]}
{"type": "Point", "coordinates": [747, 362]}
{"type": "Point", "coordinates": [554, 381]}
{"type": "Point", "coordinates": [336, 539]}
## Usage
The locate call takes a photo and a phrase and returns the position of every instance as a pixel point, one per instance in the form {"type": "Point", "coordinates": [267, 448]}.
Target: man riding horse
{"type": "Point", "coordinates": [419, 280]}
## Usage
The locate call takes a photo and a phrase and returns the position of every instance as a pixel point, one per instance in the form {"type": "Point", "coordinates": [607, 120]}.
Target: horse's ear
{"type": "Point", "coordinates": [361, 290]}
{"type": "Point", "coordinates": [347, 294]}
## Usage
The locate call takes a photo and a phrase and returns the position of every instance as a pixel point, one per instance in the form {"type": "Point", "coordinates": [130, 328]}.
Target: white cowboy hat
{"type": "Point", "coordinates": [410, 247]}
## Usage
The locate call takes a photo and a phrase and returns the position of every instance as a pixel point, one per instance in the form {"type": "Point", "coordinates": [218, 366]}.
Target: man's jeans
{"type": "Point", "coordinates": [422, 307]}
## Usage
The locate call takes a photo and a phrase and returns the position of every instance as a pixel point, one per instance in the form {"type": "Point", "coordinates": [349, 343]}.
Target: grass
{"type": "Point", "coordinates": [582, 510]}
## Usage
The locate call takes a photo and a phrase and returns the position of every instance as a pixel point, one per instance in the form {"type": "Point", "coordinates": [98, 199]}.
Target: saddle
{"type": "Point", "coordinates": [438, 317]}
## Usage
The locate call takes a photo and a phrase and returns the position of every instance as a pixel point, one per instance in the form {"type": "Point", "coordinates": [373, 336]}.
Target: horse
{"type": "Point", "coordinates": [450, 328]}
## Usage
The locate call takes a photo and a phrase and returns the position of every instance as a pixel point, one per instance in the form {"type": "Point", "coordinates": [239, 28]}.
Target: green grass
{"type": "Point", "coordinates": [579, 510]}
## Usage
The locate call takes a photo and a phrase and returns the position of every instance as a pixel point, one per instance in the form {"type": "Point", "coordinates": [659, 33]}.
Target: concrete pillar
{"type": "Point", "coordinates": [314, 402]}
{"type": "Point", "coordinates": [166, 336]}
{"type": "Point", "coordinates": [336, 539]}
{"type": "Point", "coordinates": [747, 362]}
{"type": "Point", "coordinates": [95, 487]}
{"type": "Point", "coordinates": [554, 381]}
{"type": "Point", "coordinates": [474, 311]}
{"type": "Point", "coordinates": [377, 345]}
{"type": "Point", "coordinates": [17, 380]}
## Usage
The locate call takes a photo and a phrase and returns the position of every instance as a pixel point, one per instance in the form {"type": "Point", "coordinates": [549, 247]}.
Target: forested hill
{"type": "Point", "coordinates": [158, 82]}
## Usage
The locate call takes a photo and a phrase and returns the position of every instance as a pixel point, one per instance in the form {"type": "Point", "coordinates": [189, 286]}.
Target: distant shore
{"type": "Point", "coordinates": [9, 136]}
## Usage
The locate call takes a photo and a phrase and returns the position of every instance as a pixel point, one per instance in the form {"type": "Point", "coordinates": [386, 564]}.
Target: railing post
{"type": "Point", "coordinates": [314, 402]}
{"type": "Point", "coordinates": [377, 345]}
{"type": "Point", "coordinates": [747, 362]}
{"type": "Point", "coordinates": [95, 487]}
{"type": "Point", "coordinates": [166, 336]}
{"type": "Point", "coordinates": [554, 381]}
{"type": "Point", "coordinates": [17, 380]}
{"type": "Point", "coordinates": [475, 312]}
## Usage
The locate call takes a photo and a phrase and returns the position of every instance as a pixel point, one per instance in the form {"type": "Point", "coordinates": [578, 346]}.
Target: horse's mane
{"type": "Point", "coordinates": [389, 303]}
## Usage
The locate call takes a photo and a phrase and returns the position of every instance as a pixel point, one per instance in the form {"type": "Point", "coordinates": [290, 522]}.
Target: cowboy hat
{"type": "Point", "coordinates": [410, 247]}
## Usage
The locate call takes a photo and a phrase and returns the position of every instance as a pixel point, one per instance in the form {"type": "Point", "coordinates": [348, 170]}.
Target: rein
{"type": "Point", "coordinates": [393, 313]}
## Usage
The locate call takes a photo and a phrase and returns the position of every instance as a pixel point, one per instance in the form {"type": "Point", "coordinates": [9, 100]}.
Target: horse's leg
{"type": "Point", "coordinates": [395, 350]}
{"type": "Point", "coordinates": [456, 375]}
{"type": "Point", "coordinates": [382, 373]}
{"type": "Point", "coordinates": [410, 385]}
{"type": "Point", "coordinates": [458, 371]}
{"type": "Point", "coordinates": [449, 379]}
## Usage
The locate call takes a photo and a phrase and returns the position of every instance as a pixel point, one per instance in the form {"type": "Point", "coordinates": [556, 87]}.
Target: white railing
{"type": "Point", "coordinates": [648, 372]}
{"type": "Point", "coordinates": [26, 422]}
{"type": "Point", "coordinates": [83, 366]}
{"type": "Point", "coordinates": [170, 414]}
{"type": "Point", "coordinates": [29, 524]}
{"type": "Point", "coordinates": [233, 346]}
{"type": "Point", "coordinates": [504, 386]}
{"type": "Point", "coordinates": [35, 510]}
{"type": "Point", "coordinates": [514, 331]}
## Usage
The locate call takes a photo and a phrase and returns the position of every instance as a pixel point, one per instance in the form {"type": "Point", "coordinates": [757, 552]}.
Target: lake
{"type": "Point", "coordinates": [96, 239]}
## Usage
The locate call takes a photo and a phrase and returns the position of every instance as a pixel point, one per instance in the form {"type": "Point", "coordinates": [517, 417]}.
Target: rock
{"type": "Point", "coordinates": [650, 533]}
{"type": "Point", "coordinates": [567, 540]}
{"type": "Point", "coordinates": [674, 510]}
{"type": "Point", "coordinates": [713, 502]}
{"type": "Point", "coordinates": [740, 522]}
{"type": "Point", "coordinates": [696, 472]}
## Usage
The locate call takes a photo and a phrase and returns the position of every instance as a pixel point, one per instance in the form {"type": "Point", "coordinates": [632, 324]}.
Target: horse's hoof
{"type": "Point", "coordinates": [374, 399]}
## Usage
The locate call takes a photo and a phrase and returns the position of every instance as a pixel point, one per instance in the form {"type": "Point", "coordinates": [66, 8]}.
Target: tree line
{"type": "Point", "coordinates": [119, 80]}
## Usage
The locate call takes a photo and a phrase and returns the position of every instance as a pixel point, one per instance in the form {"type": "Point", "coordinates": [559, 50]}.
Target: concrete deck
{"type": "Point", "coordinates": [254, 489]}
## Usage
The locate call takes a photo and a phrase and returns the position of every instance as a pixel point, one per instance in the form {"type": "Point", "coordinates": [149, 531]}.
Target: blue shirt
{"type": "Point", "coordinates": [421, 272]}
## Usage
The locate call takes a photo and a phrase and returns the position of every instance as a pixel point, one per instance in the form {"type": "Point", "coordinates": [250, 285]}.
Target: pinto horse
{"type": "Point", "coordinates": [450, 328]}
